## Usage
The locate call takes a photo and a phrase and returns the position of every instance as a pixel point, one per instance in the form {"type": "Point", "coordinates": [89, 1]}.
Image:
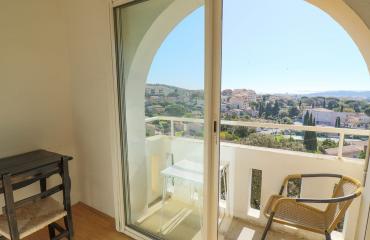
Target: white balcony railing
{"type": "Point", "coordinates": [340, 131]}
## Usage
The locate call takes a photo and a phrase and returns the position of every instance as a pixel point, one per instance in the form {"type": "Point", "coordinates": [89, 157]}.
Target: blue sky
{"type": "Point", "coordinates": [270, 46]}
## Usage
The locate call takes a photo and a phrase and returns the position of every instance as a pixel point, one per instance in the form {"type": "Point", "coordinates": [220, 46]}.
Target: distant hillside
{"type": "Point", "coordinates": [338, 94]}
{"type": "Point", "coordinates": [165, 86]}
{"type": "Point", "coordinates": [179, 90]}
{"type": "Point", "coordinates": [349, 94]}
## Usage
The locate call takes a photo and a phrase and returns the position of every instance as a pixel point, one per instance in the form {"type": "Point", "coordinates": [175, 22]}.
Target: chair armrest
{"type": "Point", "coordinates": [323, 200]}
{"type": "Point", "coordinates": [330, 200]}
{"type": "Point", "coordinates": [314, 175]}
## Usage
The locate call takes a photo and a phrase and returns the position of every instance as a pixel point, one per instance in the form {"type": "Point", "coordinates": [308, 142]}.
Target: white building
{"type": "Point", "coordinates": [328, 117]}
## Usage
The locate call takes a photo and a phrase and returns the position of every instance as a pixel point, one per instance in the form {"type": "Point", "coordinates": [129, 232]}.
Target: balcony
{"type": "Point", "coordinates": [239, 218]}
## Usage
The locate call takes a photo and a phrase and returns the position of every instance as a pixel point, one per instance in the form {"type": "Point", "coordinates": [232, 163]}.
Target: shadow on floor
{"type": "Point", "coordinates": [236, 229]}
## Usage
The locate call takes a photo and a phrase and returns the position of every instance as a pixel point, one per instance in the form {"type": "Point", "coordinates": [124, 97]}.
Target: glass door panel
{"type": "Point", "coordinates": [160, 63]}
{"type": "Point", "coordinates": [281, 72]}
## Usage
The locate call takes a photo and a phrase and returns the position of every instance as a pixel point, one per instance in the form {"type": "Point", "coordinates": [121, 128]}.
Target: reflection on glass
{"type": "Point", "coordinates": [162, 109]}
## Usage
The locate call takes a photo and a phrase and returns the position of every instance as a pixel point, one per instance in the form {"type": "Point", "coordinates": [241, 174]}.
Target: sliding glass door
{"type": "Point", "coordinates": [160, 53]}
{"type": "Point", "coordinates": [178, 183]}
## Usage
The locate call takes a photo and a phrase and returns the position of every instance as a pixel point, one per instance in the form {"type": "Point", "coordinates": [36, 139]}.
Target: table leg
{"type": "Point", "coordinates": [164, 189]}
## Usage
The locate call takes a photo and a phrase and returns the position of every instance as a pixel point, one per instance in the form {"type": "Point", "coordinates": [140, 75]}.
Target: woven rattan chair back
{"type": "Point", "coordinates": [335, 212]}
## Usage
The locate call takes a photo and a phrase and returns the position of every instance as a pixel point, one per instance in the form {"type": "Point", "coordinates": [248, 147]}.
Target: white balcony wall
{"type": "Point", "coordinates": [275, 165]}
{"type": "Point", "coordinates": [157, 149]}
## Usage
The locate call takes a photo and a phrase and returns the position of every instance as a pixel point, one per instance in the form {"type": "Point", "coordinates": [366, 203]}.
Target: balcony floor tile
{"type": "Point", "coordinates": [243, 230]}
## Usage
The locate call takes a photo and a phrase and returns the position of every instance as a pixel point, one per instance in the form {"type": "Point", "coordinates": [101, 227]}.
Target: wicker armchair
{"type": "Point", "coordinates": [294, 212]}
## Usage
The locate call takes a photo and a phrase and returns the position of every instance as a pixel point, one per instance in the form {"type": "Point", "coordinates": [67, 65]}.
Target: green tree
{"type": "Point", "coordinates": [242, 132]}
{"type": "Point", "coordinates": [310, 138]}
{"type": "Point", "coordinates": [357, 108]}
{"type": "Point", "coordinates": [337, 122]}
{"type": "Point", "coordinates": [150, 130]}
{"type": "Point", "coordinates": [173, 94]}
{"type": "Point", "coordinates": [286, 120]}
{"type": "Point", "coordinates": [224, 135]}
{"type": "Point", "coordinates": [283, 114]}
{"type": "Point", "coordinates": [268, 111]}
{"type": "Point", "coordinates": [361, 155]}
{"type": "Point", "coordinates": [275, 109]}
{"type": "Point", "coordinates": [271, 141]}
{"type": "Point", "coordinates": [261, 109]}
{"type": "Point", "coordinates": [367, 111]}
{"type": "Point", "coordinates": [293, 112]}
{"type": "Point", "coordinates": [306, 119]}
{"type": "Point", "coordinates": [332, 104]}
{"type": "Point", "coordinates": [291, 103]}
{"type": "Point", "coordinates": [175, 110]}
{"type": "Point", "coordinates": [163, 126]}
{"type": "Point", "coordinates": [188, 115]}
{"type": "Point", "coordinates": [254, 105]}
{"type": "Point", "coordinates": [328, 143]}
{"type": "Point", "coordinates": [312, 120]}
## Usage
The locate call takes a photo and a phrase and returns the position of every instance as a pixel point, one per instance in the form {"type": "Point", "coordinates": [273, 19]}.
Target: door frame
{"type": "Point", "coordinates": [213, 67]}
{"type": "Point", "coordinates": [212, 90]}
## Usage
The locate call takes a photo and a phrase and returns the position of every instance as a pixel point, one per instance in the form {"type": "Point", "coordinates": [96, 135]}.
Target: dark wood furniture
{"type": "Point", "coordinates": [26, 216]}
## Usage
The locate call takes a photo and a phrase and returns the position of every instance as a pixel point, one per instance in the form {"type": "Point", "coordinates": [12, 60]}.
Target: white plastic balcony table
{"type": "Point", "coordinates": [189, 171]}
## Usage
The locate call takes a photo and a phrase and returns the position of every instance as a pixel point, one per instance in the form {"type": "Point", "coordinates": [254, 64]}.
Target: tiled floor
{"type": "Point", "coordinates": [189, 227]}
{"type": "Point", "coordinates": [235, 229]}
{"type": "Point", "coordinates": [175, 220]}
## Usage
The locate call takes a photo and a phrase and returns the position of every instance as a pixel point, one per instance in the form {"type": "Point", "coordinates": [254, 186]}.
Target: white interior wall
{"type": "Point", "coordinates": [90, 61]}
{"type": "Point", "coordinates": [35, 96]}
{"type": "Point", "coordinates": [55, 71]}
